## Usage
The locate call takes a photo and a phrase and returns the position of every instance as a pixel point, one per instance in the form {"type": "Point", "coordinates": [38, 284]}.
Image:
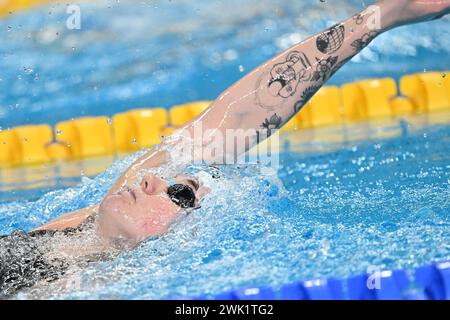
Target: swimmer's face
{"type": "Point", "coordinates": [146, 209]}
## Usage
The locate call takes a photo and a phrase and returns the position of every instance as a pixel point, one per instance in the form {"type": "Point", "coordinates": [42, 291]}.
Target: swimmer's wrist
{"type": "Point", "coordinates": [389, 15]}
{"type": "Point", "coordinates": [398, 13]}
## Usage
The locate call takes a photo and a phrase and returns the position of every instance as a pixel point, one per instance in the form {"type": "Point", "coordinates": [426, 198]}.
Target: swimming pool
{"type": "Point", "coordinates": [373, 202]}
{"type": "Point", "coordinates": [375, 195]}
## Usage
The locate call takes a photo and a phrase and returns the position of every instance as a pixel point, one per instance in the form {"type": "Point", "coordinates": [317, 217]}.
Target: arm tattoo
{"type": "Point", "coordinates": [305, 97]}
{"type": "Point", "coordinates": [286, 75]}
{"type": "Point", "coordinates": [331, 40]}
{"type": "Point", "coordinates": [361, 43]}
{"type": "Point", "coordinates": [269, 125]}
{"type": "Point", "coordinates": [273, 123]}
{"type": "Point", "coordinates": [359, 18]}
{"type": "Point", "coordinates": [323, 69]}
{"type": "Point", "coordinates": [283, 79]}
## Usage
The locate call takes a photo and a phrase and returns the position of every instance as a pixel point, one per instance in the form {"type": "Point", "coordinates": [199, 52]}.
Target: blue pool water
{"type": "Point", "coordinates": [378, 202]}
{"type": "Point", "coordinates": [329, 212]}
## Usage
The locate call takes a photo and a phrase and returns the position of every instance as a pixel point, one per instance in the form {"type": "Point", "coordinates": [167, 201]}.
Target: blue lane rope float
{"type": "Point", "coordinates": [431, 282]}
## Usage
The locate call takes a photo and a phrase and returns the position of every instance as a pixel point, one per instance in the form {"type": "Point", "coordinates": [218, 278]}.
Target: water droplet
{"type": "Point", "coordinates": [424, 69]}
{"type": "Point", "coordinates": [230, 55]}
{"type": "Point", "coordinates": [444, 75]}
{"type": "Point", "coordinates": [241, 68]}
{"type": "Point", "coordinates": [108, 121]}
{"type": "Point", "coordinates": [28, 70]}
{"type": "Point", "coordinates": [133, 141]}
{"type": "Point", "coordinates": [58, 132]}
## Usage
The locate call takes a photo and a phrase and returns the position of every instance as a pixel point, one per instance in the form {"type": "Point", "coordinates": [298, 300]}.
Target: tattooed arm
{"type": "Point", "coordinates": [270, 95]}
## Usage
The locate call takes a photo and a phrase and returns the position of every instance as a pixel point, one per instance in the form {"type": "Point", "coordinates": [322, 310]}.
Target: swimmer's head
{"type": "Point", "coordinates": [147, 208]}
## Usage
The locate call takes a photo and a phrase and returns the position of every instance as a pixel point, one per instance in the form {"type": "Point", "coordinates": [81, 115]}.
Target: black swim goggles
{"type": "Point", "coordinates": [182, 195]}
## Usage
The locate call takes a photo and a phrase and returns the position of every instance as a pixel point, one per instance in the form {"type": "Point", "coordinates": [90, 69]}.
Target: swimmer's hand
{"type": "Point", "coordinates": [403, 12]}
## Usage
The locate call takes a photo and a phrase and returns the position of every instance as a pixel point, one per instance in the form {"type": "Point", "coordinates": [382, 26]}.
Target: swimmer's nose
{"type": "Point", "coordinates": [147, 185]}
{"type": "Point", "coordinates": [151, 184]}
